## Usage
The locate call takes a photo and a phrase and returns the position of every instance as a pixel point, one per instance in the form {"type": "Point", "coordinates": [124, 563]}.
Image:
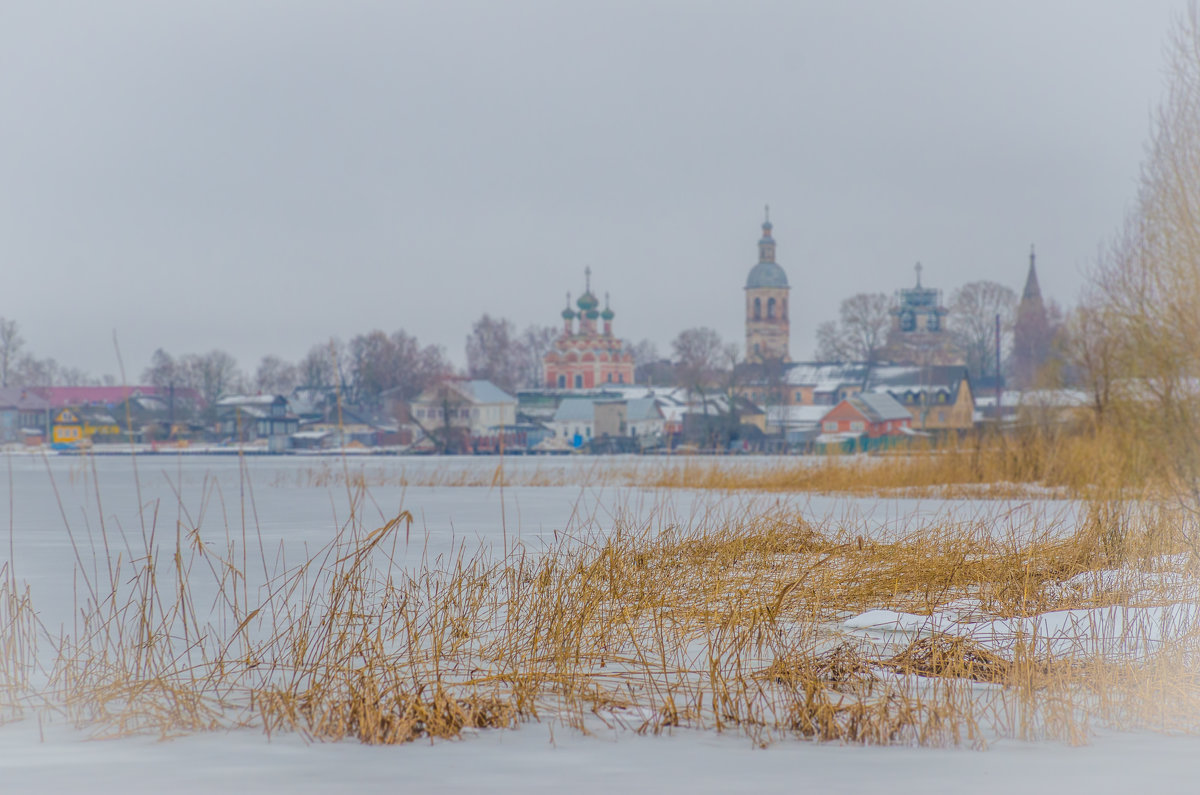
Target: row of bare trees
{"type": "Point", "coordinates": [861, 331]}
{"type": "Point", "coordinates": [366, 368]}
{"type": "Point", "coordinates": [19, 367]}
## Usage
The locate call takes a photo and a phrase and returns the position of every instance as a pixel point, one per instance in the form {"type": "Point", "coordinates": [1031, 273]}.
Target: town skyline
{"type": "Point", "coordinates": [285, 193]}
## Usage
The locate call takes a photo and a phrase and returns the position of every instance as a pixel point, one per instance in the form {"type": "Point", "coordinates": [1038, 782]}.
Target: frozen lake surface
{"type": "Point", "coordinates": [61, 508]}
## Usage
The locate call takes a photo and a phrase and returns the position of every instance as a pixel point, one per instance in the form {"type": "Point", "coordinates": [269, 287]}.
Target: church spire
{"type": "Point", "coordinates": [1033, 292]}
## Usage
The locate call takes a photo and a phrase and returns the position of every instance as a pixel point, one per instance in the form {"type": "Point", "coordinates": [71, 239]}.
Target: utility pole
{"type": "Point", "coordinates": [999, 390]}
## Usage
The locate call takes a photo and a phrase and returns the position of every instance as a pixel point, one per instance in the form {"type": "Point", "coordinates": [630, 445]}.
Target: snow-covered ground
{"type": "Point", "coordinates": [537, 758]}
{"type": "Point", "coordinates": [61, 507]}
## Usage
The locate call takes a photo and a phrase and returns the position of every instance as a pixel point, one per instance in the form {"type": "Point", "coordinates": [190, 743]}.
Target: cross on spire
{"type": "Point", "coordinates": [767, 212]}
{"type": "Point", "coordinates": [587, 275]}
{"type": "Point", "coordinates": [918, 269]}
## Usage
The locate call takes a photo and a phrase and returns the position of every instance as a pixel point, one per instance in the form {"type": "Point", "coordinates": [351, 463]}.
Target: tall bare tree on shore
{"type": "Point", "coordinates": [1144, 307]}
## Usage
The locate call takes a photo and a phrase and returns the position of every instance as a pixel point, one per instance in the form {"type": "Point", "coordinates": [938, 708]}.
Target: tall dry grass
{"type": "Point", "coordinates": [1081, 461]}
{"type": "Point", "coordinates": [1070, 461]}
{"type": "Point", "coordinates": [728, 620]}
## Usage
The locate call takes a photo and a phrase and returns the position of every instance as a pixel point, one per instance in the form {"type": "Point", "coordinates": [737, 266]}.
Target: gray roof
{"type": "Point", "coordinates": [487, 392]}
{"type": "Point", "coordinates": [576, 410]}
{"type": "Point", "coordinates": [879, 406]}
{"type": "Point", "coordinates": [826, 376]}
{"type": "Point", "coordinates": [251, 400]}
{"type": "Point", "coordinates": [898, 379]}
{"type": "Point", "coordinates": [766, 274]}
{"type": "Point", "coordinates": [642, 409]}
{"type": "Point", "coordinates": [22, 399]}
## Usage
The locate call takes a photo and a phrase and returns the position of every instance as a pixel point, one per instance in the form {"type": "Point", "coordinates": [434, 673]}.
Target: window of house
{"type": "Point", "coordinates": [562, 382]}
{"type": "Point", "coordinates": [857, 426]}
{"type": "Point", "coordinates": [941, 416]}
{"type": "Point", "coordinates": [620, 378]}
{"type": "Point", "coordinates": [579, 381]}
{"type": "Point", "coordinates": [829, 426]}
{"type": "Point", "coordinates": [610, 378]}
{"type": "Point", "coordinates": [799, 397]}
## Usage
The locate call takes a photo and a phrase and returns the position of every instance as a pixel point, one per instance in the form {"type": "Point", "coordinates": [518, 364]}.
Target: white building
{"type": "Point", "coordinates": [479, 407]}
{"type": "Point", "coordinates": [575, 421]}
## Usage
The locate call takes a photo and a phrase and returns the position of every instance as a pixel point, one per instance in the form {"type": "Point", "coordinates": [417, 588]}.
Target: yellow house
{"type": "Point", "coordinates": [70, 426]}
{"type": "Point", "coordinates": [939, 397]}
{"type": "Point", "coordinates": [66, 428]}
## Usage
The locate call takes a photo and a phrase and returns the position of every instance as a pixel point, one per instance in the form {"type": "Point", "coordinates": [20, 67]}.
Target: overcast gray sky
{"type": "Point", "coordinates": [260, 176]}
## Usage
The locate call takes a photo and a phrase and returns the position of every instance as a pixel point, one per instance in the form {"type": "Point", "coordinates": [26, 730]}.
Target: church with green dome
{"type": "Point", "coordinates": [586, 355]}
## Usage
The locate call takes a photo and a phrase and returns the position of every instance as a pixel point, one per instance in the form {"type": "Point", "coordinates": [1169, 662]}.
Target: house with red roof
{"type": "Point", "coordinates": [866, 415]}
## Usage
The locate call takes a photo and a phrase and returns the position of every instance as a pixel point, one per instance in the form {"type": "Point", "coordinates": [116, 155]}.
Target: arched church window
{"type": "Point", "coordinates": [578, 381]}
{"type": "Point", "coordinates": [758, 309]}
{"type": "Point", "coordinates": [770, 309]}
{"type": "Point", "coordinates": [562, 382]}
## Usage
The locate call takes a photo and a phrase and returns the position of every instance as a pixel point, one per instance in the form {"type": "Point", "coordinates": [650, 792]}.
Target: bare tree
{"type": "Point", "coordinates": [213, 375]}
{"type": "Point", "coordinates": [11, 343]}
{"type": "Point", "coordinates": [494, 353]}
{"type": "Point", "coordinates": [275, 376]}
{"type": "Point", "coordinates": [645, 352]}
{"type": "Point", "coordinates": [860, 333]}
{"type": "Point", "coordinates": [699, 353]}
{"type": "Point", "coordinates": [534, 344]}
{"type": "Point", "coordinates": [32, 371]}
{"type": "Point", "coordinates": [1148, 287]}
{"type": "Point", "coordinates": [972, 321]}
{"type": "Point", "coordinates": [832, 345]}
{"type": "Point", "coordinates": [380, 363]}
{"type": "Point", "coordinates": [164, 372]}
{"type": "Point", "coordinates": [1088, 352]}
{"type": "Point", "coordinates": [319, 368]}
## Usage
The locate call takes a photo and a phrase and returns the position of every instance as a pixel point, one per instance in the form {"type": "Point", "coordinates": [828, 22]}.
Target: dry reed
{"type": "Point", "coordinates": [728, 620]}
